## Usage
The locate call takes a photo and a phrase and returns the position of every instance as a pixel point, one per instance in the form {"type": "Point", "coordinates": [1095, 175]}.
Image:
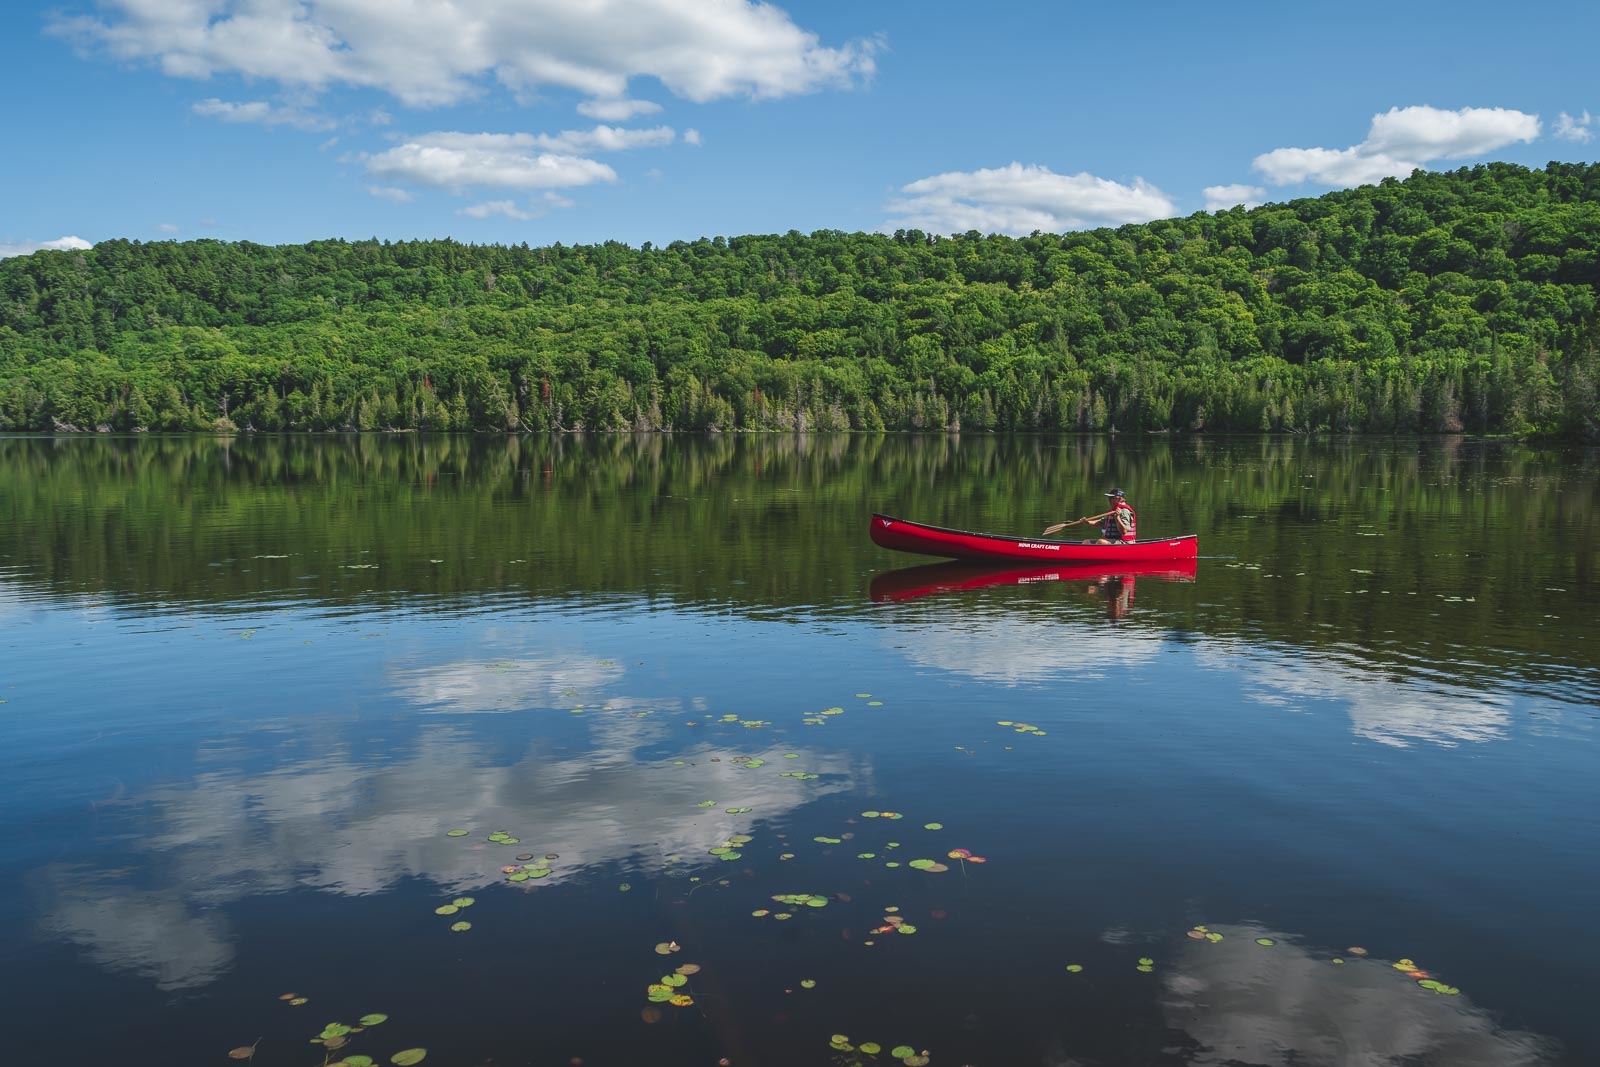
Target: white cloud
{"type": "Point", "coordinates": [1574, 128]}
{"type": "Point", "coordinates": [620, 110]}
{"type": "Point", "coordinates": [1399, 141]}
{"type": "Point", "coordinates": [502, 160]}
{"type": "Point", "coordinates": [1222, 197]}
{"type": "Point", "coordinates": [262, 113]}
{"type": "Point", "coordinates": [599, 139]}
{"type": "Point", "coordinates": [1380, 709]}
{"type": "Point", "coordinates": [166, 227]}
{"type": "Point", "coordinates": [692, 136]}
{"type": "Point", "coordinates": [60, 244]}
{"type": "Point", "coordinates": [391, 194]}
{"type": "Point", "coordinates": [1020, 199]}
{"type": "Point", "coordinates": [488, 208]}
{"type": "Point", "coordinates": [445, 51]}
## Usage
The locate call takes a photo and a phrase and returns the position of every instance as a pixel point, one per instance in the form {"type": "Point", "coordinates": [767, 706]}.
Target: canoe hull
{"type": "Point", "coordinates": [902, 535]}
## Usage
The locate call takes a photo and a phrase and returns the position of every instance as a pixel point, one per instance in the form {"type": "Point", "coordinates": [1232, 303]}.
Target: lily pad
{"type": "Point", "coordinates": [408, 1057]}
{"type": "Point", "coordinates": [243, 1052]}
{"type": "Point", "coordinates": [373, 1019]}
{"type": "Point", "coordinates": [900, 1052]}
{"type": "Point", "coordinates": [358, 1061]}
{"type": "Point", "coordinates": [1267, 941]}
{"type": "Point", "coordinates": [461, 927]}
{"type": "Point", "coordinates": [933, 826]}
{"type": "Point", "coordinates": [464, 902]}
{"type": "Point", "coordinates": [689, 968]}
{"type": "Point", "coordinates": [449, 833]}
{"type": "Point", "coordinates": [674, 980]}
{"type": "Point", "coordinates": [827, 840]}
{"type": "Point", "coordinates": [808, 983]}
{"type": "Point", "coordinates": [871, 1048]}
{"type": "Point", "coordinates": [446, 909]}
{"type": "Point", "coordinates": [1074, 968]}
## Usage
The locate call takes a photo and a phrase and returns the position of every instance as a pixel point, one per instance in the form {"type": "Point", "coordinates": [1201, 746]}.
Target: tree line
{"type": "Point", "coordinates": [1447, 302]}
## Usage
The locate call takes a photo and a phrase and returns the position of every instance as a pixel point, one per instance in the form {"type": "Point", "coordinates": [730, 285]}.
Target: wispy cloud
{"type": "Point", "coordinates": [391, 193]}
{"type": "Point", "coordinates": [1575, 128]}
{"type": "Point", "coordinates": [1399, 141]}
{"type": "Point", "coordinates": [1222, 197]}
{"type": "Point", "coordinates": [1019, 199]}
{"type": "Point", "coordinates": [502, 160]}
{"type": "Point", "coordinates": [260, 112]}
{"type": "Point", "coordinates": [619, 110]}
{"type": "Point", "coordinates": [23, 248]}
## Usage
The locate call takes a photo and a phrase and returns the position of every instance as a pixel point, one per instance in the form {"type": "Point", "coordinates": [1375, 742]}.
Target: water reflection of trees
{"type": "Point", "coordinates": [1402, 556]}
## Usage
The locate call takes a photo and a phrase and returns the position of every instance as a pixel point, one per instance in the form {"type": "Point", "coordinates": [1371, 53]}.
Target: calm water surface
{"type": "Point", "coordinates": [248, 689]}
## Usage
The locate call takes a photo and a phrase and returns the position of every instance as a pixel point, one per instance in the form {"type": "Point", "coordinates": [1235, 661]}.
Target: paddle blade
{"type": "Point", "coordinates": [1048, 530]}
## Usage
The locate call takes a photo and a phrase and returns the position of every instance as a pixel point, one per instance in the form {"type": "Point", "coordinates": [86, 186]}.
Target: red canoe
{"type": "Point", "coordinates": [960, 576]}
{"type": "Point", "coordinates": [905, 536]}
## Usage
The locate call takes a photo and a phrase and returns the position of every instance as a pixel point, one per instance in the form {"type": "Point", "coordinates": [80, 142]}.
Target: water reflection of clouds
{"type": "Point", "coordinates": [338, 825]}
{"type": "Point", "coordinates": [1246, 1003]}
{"type": "Point", "coordinates": [1381, 708]}
{"type": "Point", "coordinates": [1017, 651]}
{"type": "Point", "coordinates": [506, 685]}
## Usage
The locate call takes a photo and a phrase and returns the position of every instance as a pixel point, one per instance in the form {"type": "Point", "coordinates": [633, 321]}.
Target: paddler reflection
{"type": "Point", "coordinates": [1117, 590]}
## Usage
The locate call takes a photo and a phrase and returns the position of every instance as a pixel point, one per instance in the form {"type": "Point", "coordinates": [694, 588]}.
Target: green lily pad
{"type": "Point", "coordinates": [866, 855]}
{"type": "Point", "coordinates": [1074, 968]}
{"type": "Point", "coordinates": [826, 840]}
{"type": "Point", "coordinates": [808, 983]}
{"type": "Point", "coordinates": [358, 1061]}
{"type": "Point", "coordinates": [874, 703]}
{"type": "Point", "coordinates": [461, 927]}
{"type": "Point", "coordinates": [871, 1048]}
{"type": "Point", "coordinates": [1265, 941]}
{"type": "Point", "coordinates": [933, 826]}
{"type": "Point", "coordinates": [449, 833]}
{"type": "Point", "coordinates": [920, 865]}
{"type": "Point", "coordinates": [446, 909]}
{"type": "Point", "coordinates": [674, 980]}
{"type": "Point", "coordinates": [900, 1052]}
{"type": "Point", "coordinates": [372, 1020]}
{"type": "Point", "coordinates": [1146, 961]}
{"type": "Point", "coordinates": [906, 928]}
{"type": "Point", "coordinates": [869, 814]}
{"type": "Point", "coordinates": [408, 1057]}
{"type": "Point", "coordinates": [464, 902]}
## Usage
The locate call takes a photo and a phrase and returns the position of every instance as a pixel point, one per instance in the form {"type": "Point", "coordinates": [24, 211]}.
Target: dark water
{"type": "Point", "coordinates": [250, 686]}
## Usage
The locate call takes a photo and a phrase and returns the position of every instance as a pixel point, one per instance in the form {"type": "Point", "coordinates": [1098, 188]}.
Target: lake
{"type": "Point", "coordinates": [619, 750]}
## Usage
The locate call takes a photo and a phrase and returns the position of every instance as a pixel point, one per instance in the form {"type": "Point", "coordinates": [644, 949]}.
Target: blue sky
{"type": "Point", "coordinates": [585, 120]}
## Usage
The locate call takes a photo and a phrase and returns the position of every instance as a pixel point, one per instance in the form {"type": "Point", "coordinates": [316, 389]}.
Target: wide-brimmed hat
{"type": "Point", "coordinates": [1115, 492]}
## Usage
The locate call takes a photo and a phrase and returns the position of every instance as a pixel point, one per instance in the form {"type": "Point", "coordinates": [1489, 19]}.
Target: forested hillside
{"type": "Point", "coordinates": [1447, 302]}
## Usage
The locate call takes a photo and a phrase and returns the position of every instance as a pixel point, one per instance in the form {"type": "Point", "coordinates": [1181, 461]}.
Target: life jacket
{"type": "Point", "coordinates": [1112, 530]}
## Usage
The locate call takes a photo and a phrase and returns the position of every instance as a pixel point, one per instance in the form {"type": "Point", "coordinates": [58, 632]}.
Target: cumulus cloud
{"type": "Point", "coordinates": [1574, 128]}
{"type": "Point", "coordinates": [1399, 141]}
{"type": "Point", "coordinates": [60, 244]}
{"type": "Point", "coordinates": [446, 51]}
{"type": "Point", "coordinates": [261, 113]}
{"type": "Point", "coordinates": [1222, 197]}
{"type": "Point", "coordinates": [1019, 199]}
{"type": "Point", "coordinates": [501, 160]}
{"type": "Point", "coordinates": [692, 136]}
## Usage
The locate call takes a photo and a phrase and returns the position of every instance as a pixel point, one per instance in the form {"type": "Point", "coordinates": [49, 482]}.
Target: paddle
{"type": "Point", "coordinates": [1048, 530]}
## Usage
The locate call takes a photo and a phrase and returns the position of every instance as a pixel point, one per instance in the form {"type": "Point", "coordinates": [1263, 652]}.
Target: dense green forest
{"type": "Point", "coordinates": [1448, 302]}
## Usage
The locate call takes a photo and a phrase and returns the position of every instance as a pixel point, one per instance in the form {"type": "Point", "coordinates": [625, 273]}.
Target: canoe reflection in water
{"type": "Point", "coordinates": [1114, 582]}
